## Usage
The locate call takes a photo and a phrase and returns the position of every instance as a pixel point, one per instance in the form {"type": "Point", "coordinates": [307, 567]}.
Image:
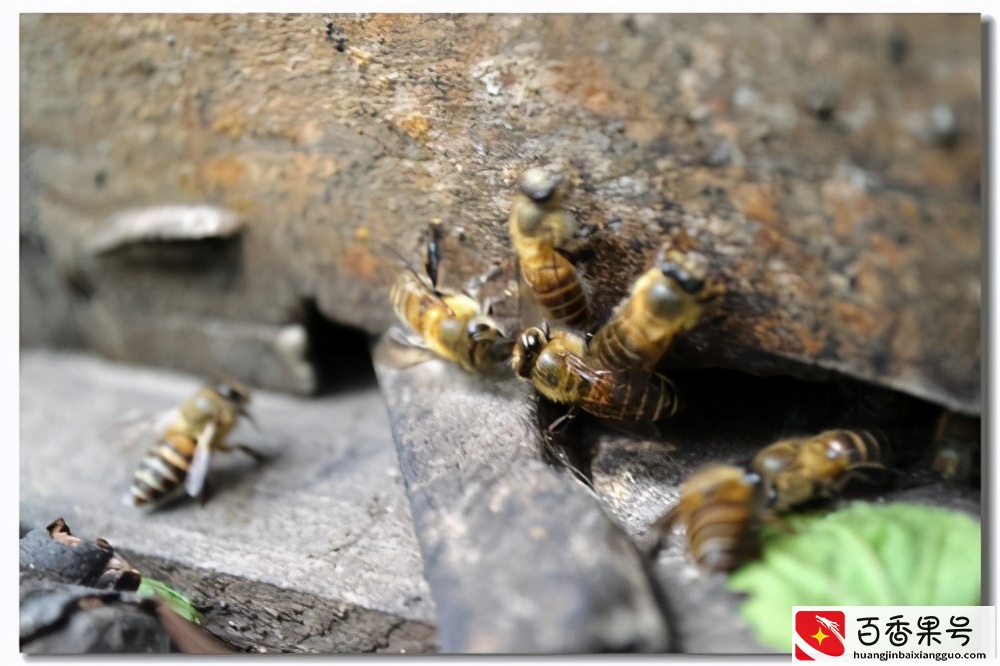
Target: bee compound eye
{"type": "Point", "coordinates": [691, 284]}
{"type": "Point", "coordinates": [477, 329]}
{"type": "Point", "coordinates": [530, 341]}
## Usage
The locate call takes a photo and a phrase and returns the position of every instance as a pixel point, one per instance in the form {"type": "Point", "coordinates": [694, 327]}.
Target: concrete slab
{"type": "Point", "coordinates": [325, 516]}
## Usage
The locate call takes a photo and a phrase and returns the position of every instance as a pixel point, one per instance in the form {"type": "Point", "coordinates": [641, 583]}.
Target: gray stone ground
{"type": "Point", "coordinates": [520, 558]}
{"type": "Point", "coordinates": [316, 550]}
{"type": "Point", "coordinates": [325, 518]}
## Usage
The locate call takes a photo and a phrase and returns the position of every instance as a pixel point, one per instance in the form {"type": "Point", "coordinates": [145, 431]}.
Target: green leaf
{"type": "Point", "coordinates": [177, 601]}
{"type": "Point", "coordinates": [863, 555]}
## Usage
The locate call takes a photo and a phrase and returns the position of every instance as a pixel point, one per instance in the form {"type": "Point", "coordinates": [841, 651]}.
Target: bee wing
{"type": "Point", "coordinates": [399, 349]}
{"type": "Point", "coordinates": [615, 390]}
{"type": "Point", "coordinates": [198, 472]}
{"type": "Point", "coordinates": [665, 523]}
{"type": "Point", "coordinates": [530, 313]}
{"type": "Point", "coordinates": [139, 429]}
{"type": "Point", "coordinates": [595, 376]}
{"type": "Point", "coordinates": [590, 371]}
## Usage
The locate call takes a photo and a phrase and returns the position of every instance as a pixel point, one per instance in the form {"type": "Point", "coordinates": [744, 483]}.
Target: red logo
{"type": "Point", "coordinates": [818, 634]}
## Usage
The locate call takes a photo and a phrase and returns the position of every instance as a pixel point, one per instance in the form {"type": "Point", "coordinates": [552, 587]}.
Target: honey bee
{"type": "Point", "coordinates": [557, 364]}
{"type": "Point", "coordinates": [721, 507]}
{"type": "Point", "coordinates": [181, 457]}
{"type": "Point", "coordinates": [538, 226]}
{"type": "Point", "coordinates": [956, 449]}
{"type": "Point", "coordinates": [724, 506]}
{"type": "Point", "coordinates": [795, 471]}
{"type": "Point", "coordinates": [449, 323]}
{"type": "Point", "coordinates": [666, 300]}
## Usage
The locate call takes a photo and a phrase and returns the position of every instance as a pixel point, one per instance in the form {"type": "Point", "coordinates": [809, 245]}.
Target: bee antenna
{"type": "Point", "coordinates": [433, 258]}
{"type": "Point", "coordinates": [403, 260]}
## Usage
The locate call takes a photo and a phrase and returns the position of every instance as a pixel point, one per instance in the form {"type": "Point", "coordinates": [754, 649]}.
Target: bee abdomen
{"type": "Point", "coordinates": [410, 299]}
{"type": "Point", "coordinates": [558, 291]}
{"type": "Point", "coordinates": [660, 399]}
{"type": "Point", "coordinates": [163, 470]}
{"type": "Point", "coordinates": [860, 446]}
{"type": "Point", "coordinates": [614, 346]}
{"type": "Point", "coordinates": [647, 399]}
{"type": "Point", "coordinates": [721, 535]}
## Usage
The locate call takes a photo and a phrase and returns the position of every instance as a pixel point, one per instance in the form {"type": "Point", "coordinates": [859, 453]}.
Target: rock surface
{"type": "Point", "coordinates": [828, 166]}
{"type": "Point", "coordinates": [520, 559]}
{"type": "Point", "coordinates": [325, 519]}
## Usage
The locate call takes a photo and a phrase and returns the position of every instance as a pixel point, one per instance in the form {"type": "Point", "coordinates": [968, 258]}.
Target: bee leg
{"type": "Point", "coordinates": [865, 472]}
{"type": "Point", "coordinates": [206, 490]}
{"type": "Point", "coordinates": [562, 422]}
{"type": "Point", "coordinates": [253, 453]}
{"type": "Point", "coordinates": [474, 287]}
{"type": "Point", "coordinates": [432, 259]}
{"type": "Point", "coordinates": [405, 339]}
{"type": "Point", "coordinates": [490, 302]}
{"type": "Point", "coordinates": [780, 523]}
{"type": "Point", "coordinates": [658, 533]}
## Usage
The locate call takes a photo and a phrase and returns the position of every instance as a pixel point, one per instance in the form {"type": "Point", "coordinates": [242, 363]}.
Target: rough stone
{"type": "Point", "coordinates": [519, 558]}
{"type": "Point", "coordinates": [842, 237]}
{"type": "Point", "coordinates": [325, 517]}
{"type": "Point", "coordinates": [65, 619]}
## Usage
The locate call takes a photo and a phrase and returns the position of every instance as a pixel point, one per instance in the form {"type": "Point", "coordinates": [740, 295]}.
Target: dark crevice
{"type": "Point", "coordinates": [739, 412]}
{"type": "Point", "coordinates": [340, 355]}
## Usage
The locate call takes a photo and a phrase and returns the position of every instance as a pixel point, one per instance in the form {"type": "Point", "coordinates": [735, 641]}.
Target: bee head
{"type": "Point", "coordinates": [233, 391]}
{"type": "Point", "coordinates": [691, 284]}
{"type": "Point", "coordinates": [539, 185]}
{"type": "Point", "coordinates": [490, 345]}
{"type": "Point", "coordinates": [481, 329]}
{"type": "Point", "coordinates": [529, 345]}
{"type": "Point", "coordinates": [677, 288]}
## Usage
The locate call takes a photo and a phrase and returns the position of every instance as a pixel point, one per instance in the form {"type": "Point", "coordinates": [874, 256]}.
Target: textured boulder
{"type": "Point", "coordinates": [828, 166]}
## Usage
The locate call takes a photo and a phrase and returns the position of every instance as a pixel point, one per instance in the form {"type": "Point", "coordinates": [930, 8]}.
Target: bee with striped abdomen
{"type": "Point", "coordinates": [449, 323]}
{"type": "Point", "coordinates": [724, 506]}
{"type": "Point", "coordinates": [539, 226]}
{"type": "Point", "coordinates": [798, 470]}
{"type": "Point", "coordinates": [665, 301]}
{"type": "Point", "coordinates": [558, 366]}
{"type": "Point", "coordinates": [956, 449]}
{"type": "Point", "coordinates": [721, 508]}
{"type": "Point", "coordinates": [181, 457]}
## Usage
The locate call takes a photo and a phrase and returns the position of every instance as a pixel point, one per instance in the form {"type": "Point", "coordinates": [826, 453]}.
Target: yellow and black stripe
{"type": "Point", "coordinates": [163, 471]}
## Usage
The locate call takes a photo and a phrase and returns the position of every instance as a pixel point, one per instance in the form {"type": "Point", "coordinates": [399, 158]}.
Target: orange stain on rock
{"type": "Point", "coordinates": [854, 317]}
{"type": "Point", "coordinates": [230, 121]}
{"type": "Point", "coordinates": [758, 202]}
{"type": "Point", "coordinates": [308, 134]}
{"type": "Point", "coordinates": [645, 130]}
{"type": "Point", "coordinates": [417, 126]}
{"type": "Point", "coordinates": [812, 344]}
{"type": "Point", "coordinates": [589, 81]}
{"type": "Point", "coordinates": [886, 249]}
{"type": "Point", "coordinates": [224, 171]}
{"type": "Point", "coordinates": [360, 262]}
{"type": "Point", "coordinates": [847, 204]}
